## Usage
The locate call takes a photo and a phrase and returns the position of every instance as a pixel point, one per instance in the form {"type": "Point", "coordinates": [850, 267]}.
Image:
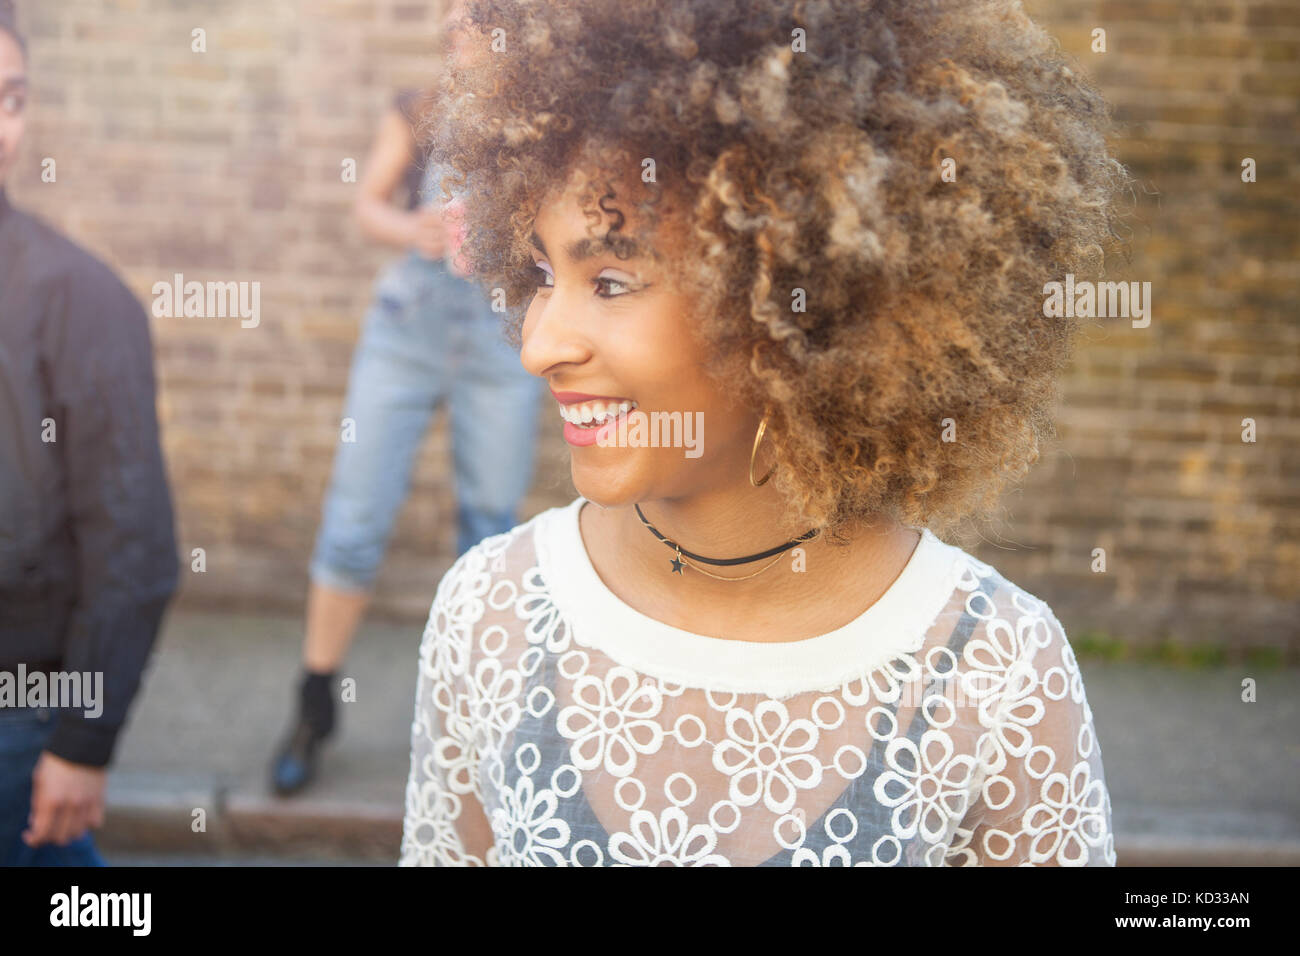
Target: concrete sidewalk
{"type": "Point", "coordinates": [1195, 775]}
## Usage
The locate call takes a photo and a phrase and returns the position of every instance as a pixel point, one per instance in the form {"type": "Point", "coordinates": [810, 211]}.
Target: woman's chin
{"type": "Point", "coordinates": [608, 487]}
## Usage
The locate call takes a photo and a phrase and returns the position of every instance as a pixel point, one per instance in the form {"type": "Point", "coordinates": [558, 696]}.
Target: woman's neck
{"type": "Point", "coordinates": [807, 591]}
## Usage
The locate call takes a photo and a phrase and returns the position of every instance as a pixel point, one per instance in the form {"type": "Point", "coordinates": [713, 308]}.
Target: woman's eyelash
{"type": "Point", "coordinates": [541, 275]}
{"type": "Point", "coordinates": [626, 285]}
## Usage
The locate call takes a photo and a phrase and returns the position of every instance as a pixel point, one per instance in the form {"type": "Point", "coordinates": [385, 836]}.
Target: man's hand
{"type": "Point", "coordinates": [67, 799]}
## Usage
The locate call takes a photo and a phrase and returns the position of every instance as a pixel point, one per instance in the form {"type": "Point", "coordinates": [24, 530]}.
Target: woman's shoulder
{"type": "Point", "coordinates": [486, 602]}
{"type": "Point", "coordinates": [997, 618]}
{"type": "Point", "coordinates": [510, 559]}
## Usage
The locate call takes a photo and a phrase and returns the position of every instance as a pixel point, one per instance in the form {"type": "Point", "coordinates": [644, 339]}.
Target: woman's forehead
{"type": "Point", "coordinates": [585, 213]}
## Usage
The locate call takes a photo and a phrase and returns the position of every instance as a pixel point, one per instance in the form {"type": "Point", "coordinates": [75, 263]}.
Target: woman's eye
{"type": "Point", "coordinates": [617, 282]}
{"type": "Point", "coordinates": [607, 287]}
{"type": "Point", "coordinates": [12, 104]}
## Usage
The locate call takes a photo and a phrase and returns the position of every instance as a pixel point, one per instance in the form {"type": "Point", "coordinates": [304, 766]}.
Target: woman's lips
{"type": "Point", "coordinates": [577, 398]}
{"type": "Point", "coordinates": [580, 436]}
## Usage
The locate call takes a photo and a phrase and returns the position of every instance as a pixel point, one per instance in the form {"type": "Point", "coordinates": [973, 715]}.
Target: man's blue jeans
{"type": "Point", "coordinates": [23, 735]}
{"type": "Point", "coordinates": [429, 336]}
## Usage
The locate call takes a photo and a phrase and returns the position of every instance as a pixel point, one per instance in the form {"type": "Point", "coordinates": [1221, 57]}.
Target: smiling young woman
{"type": "Point", "coordinates": [763, 654]}
{"type": "Point", "coordinates": [621, 330]}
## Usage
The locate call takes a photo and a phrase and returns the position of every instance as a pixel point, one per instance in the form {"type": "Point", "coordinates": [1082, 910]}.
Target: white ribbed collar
{"type": "Point", "coordinates": [599, 619]}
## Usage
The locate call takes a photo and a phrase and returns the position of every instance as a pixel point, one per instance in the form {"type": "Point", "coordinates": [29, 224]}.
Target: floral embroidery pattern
{"type": "Point", "coordinates": [530, 833]}
{"type": "Point", "coordinates": [532, 744]}
{"type": "Point", "coordinates": [927, 785]}
{"type": "Point", "coordinates": [666, 840]}
{"type": "Point", "coordinates": [612, 722]}
{"type": "Point", "coordinates": [768, 756]}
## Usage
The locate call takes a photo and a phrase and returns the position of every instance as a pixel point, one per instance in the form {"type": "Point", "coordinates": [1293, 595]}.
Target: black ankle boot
{"type": "Point", "coordinates": [294, 765]}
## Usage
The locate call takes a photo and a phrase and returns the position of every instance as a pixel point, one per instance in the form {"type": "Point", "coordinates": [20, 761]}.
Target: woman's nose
{"type": "Point", "coordinates": [552, 334]}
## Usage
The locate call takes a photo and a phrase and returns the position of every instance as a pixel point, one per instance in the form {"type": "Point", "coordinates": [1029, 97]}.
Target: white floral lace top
{"type": "Point", "coordinates": [555, 725]}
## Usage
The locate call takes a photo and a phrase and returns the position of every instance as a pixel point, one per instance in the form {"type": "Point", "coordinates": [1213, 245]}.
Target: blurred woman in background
{"type": "Point", "coordinates": [430, 335]}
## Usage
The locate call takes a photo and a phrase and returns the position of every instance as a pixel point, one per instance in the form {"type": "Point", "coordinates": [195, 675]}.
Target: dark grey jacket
{"type": "Point", "coordinates": [87, 547]}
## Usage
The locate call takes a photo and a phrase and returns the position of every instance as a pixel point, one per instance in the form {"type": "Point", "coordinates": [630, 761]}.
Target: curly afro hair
{"type": "Point", "coordinates": [886, 317]}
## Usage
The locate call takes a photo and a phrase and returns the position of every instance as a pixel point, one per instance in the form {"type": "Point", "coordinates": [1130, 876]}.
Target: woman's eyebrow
{"type": "Point", "coordinates": [581, 250]}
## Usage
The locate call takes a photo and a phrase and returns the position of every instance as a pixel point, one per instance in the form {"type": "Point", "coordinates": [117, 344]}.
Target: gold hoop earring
{"type": "Point", "coordinates": [762, 427]}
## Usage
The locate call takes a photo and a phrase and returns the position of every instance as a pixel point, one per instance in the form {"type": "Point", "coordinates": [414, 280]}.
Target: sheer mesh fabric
{"type": "Point", "coordinates": [547, 733]}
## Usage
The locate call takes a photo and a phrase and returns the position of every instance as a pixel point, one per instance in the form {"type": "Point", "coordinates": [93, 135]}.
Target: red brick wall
{"type": "Point", "coordinates": [225, 166]}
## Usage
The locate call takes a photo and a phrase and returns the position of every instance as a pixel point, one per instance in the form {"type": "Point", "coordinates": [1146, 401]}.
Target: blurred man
{"type": "Point", "coordinates": [87, 549]}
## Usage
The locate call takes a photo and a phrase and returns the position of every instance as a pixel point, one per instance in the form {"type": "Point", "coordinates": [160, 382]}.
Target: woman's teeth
{"type": "Point", "coordinates": [594, 414]}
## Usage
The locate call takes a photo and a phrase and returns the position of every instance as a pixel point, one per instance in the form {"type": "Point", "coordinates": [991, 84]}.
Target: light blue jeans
{"type": "Point", "coordinates": [429, 336]}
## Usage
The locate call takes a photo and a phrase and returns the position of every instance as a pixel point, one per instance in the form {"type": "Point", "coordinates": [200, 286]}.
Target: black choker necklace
{"type": "Point", "coordinates": [681, 553]}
